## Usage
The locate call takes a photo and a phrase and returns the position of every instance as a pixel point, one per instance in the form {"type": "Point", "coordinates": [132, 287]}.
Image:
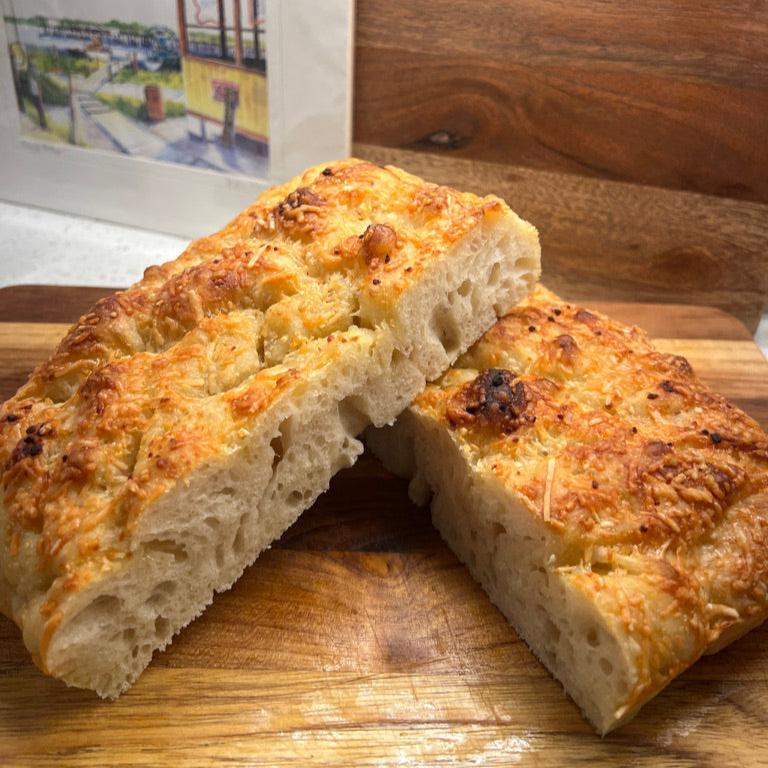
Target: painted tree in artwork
{"type": "Point", "coordinates": [69, 66]}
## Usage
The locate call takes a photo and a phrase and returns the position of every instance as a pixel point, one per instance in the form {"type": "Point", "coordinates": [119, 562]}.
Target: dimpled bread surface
{"type": "Point", "coordinates": [184, 423]}
{"type": "Point", "coordinates": [612, 506]}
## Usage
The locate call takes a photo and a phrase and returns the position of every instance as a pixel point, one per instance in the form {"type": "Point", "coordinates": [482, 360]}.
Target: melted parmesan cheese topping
{"type": "Point", "coordinates": [654, 488]}
{"type": "Point", "coordinates": [157, 379]}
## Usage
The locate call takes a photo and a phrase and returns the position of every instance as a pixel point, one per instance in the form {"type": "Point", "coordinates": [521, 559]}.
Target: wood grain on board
{"type": "Point", "coordinates": [612, 241]}
{"type": "Point", "coordinates": [48, 303]}
{"type": "Point", "coordinates": [359, 639]}
{"type": "Point", "coordinates": [663, 92]}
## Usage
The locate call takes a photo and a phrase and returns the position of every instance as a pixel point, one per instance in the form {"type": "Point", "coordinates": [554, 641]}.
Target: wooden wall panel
{"type": "Point", "coordinates": [596, 120]}
{"type": "Point", "coordinates": [610, 240]}
{"type": "Point", "coordinates": [672, 93]}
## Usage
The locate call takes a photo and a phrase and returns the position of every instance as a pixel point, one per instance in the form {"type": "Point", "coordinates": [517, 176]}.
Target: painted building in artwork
{"type": "Point", "coordinates": [224, 68]}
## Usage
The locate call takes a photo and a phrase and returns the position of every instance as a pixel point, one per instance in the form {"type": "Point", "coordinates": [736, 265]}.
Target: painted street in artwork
{"type": "Point", "coordinates": [180, 81]}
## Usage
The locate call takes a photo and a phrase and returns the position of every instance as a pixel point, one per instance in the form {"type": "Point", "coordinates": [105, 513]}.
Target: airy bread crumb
{"type": "Point", "coordinates": [182, 425]}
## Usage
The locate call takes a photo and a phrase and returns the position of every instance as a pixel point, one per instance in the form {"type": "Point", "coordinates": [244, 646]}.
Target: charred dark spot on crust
{"type": "Point", "coordinates": [303, 196]}
{"type": "Point", "coordinates": [44, 429]}
{"type": "Point", "coordinates": [651, 395]}
{"type": "Point", "coordinates": [375, 245]}
{"type": "Point", "coordinates": [569, 348]}
{"type": "Point", "coordinates": [680, 365]}
{"type": "Point", "coordinates": [327, 172]}
{"type": "Point", "coordinates": [378, 243]}
{"type": "Point", "coordinates": [27, 447]}
{"type": "Point", "coordinates": [298, 198]}
{"type": "Point", "coordinates": [667, 386]}
{"type": "Point", "coordinates": [101, 387]}
{"type": "Point", "coordinates": [585, 316]}
{"type": "Point", "coordinates": [716, 438]}
{"type": "Point", "coordinates": [726, 483]}
{"type": "Point", "coordinates": [494, 398]}
{"type": "Point", "coordinates": [101, 380]}
{"type": "Point", "coordinates": [11, 417]}
{"type": "Point", "coordinates": [224, 283]}
{"type": "Point", "coordinates": [162, 463]}
{"type": "Point", "coordinates": [81, 462]}
{"type": "Point", "coordinates": [655, 450]}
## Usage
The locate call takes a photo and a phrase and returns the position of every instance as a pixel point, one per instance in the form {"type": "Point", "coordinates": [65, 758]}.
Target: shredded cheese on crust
{"type": "Point", "coordinates": [663, 473]}
{"type": "Point", "coordinates": [548, 489]}
{"type": "Point", "coordinates": [156, 380]}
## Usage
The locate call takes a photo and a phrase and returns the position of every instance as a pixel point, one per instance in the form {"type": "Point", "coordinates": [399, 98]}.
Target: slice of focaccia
{"type": "Point", "coordinates": [183, 424]}
{"type": "Point", "coordinates": [612, 506]}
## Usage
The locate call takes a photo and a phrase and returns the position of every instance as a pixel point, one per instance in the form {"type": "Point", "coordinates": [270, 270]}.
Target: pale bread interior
{"type": "Point", "coordinates": [198, 538]}
{"type": "Point", "coordinates": [518, 563]}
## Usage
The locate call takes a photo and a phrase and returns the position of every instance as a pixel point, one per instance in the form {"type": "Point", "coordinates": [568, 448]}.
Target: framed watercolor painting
{"type": "Point", "coordinates": [168, 114]}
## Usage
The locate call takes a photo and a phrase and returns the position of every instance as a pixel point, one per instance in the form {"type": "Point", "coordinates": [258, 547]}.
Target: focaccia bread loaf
{"type": "Point", "coordinates": [611, 505]}
{"type": "Point", "coordinates": [183, 424]}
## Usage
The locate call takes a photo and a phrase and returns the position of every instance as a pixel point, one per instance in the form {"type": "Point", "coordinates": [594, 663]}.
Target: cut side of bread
{"type": "Point", "coordinates": [182, 425]}
{"type": "Point", "coordinates": [611, 505]}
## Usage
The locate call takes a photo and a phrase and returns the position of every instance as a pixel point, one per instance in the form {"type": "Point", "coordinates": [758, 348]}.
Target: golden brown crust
{"type": "Point", "coordinates": [158, 378]}
{"type": "Point", "coordinates": [655, 487]}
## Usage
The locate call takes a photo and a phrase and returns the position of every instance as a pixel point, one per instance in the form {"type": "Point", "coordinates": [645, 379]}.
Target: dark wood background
{"type": "Point", "coordinates": [634, 134]}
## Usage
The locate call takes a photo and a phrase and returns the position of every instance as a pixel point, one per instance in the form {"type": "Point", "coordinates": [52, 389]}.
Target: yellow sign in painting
{"type": "Point", "coordinates": [251, 115]}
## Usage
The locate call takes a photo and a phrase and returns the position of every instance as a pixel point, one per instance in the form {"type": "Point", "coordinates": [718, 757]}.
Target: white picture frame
{"type": "Point", "coordinates": [309, 90]}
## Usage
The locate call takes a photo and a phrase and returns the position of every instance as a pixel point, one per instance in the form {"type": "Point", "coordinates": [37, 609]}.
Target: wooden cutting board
{"type": "Point", "coordinates": [359, 639]}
